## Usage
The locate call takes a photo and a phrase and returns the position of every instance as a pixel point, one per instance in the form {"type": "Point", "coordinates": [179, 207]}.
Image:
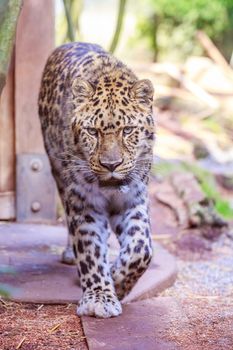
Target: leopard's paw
{"type": "Point", "coordinates": [99, 305]}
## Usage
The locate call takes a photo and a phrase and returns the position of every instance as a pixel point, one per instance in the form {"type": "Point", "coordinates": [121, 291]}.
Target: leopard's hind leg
{"type": "Point", "coordinates": [67, 256]}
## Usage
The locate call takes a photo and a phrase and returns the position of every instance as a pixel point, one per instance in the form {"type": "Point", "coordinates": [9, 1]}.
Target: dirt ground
{"type": "Point", "coordinates": [210, 325]}
{"type": "Point", "coordinates": [36, 327]}
{"type": "Point", "coordinates": [32, 327]}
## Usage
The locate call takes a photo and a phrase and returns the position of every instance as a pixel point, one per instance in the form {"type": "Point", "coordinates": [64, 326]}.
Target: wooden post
{"type": "Point", "coordinates": [35, 195]}
{"type": "Point", "coordinates": [34, 43]}
{"type": "Point", "coordinates": [7, 149]}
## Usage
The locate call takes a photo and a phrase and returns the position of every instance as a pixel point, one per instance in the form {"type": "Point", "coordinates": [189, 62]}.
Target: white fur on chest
{"type": "Point", "coordinates": [105, 198]}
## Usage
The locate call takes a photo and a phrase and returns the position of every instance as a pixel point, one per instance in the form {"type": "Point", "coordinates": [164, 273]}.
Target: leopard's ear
{"type": "Point", "coordinates": [82, 89]}
{"type": "Point", "coordinates": [143, 92]}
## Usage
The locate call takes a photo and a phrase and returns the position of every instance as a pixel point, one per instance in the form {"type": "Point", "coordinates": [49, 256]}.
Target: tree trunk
{"type": "Point", "coordinates": [120, 18]}
{"type": "Point", "coordinates": [9, 12]}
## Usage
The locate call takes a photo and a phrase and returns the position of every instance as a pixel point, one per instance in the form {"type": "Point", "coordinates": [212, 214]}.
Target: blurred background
{"type": "Point", "coordinates": [150, 30]}
{"type": "Point", "coordinates": [185, 48]}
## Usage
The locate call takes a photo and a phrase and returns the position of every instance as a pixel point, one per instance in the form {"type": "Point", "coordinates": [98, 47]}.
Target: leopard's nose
{"type": "Point", "coordinates": [111, 166]}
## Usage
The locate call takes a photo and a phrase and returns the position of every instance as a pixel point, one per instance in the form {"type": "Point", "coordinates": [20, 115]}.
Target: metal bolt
{"type": "Point", "coordinates": [35, 207]}
{"type": "Point", "coordinates": [36, 165]}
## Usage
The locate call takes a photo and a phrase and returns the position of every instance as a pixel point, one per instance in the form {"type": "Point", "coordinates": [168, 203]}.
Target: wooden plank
{"type": "Point", "coordinates": [7, 148]}
{"type": "Point", "coordinates": [7, 205]}
{"type": "Point", "coordinates": [34, 43]}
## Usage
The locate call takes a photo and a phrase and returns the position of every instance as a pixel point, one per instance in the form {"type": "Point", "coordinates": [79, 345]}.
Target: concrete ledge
{"type": "Point", "coordinates": [146, 324]}
{"type": "Point", "coordinates": [33, 253]}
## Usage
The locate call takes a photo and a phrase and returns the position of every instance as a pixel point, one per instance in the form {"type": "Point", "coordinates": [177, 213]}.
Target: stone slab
{"type": "Point", "coordinates": [148, 324]}
{"type": "Point", "coordinates": [33, 253]}
{"type": "Point", "coordinates": [165, 323]}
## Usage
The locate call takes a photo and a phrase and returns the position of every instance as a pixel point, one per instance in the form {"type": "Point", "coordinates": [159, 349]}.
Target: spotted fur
{"type": "Point", "coordinates": [98, 129]}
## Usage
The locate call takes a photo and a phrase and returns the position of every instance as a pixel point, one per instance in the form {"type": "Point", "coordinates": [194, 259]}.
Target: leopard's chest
{"type": "Point", "coordinates": [116, 200]}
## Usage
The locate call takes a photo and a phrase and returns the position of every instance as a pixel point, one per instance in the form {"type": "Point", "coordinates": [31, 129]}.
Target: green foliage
{"type": "Point", "coordinates": [68, 23]}
{"type": "Point", "coordinates": [4, 292]}
{"type": "Point", "coordinates": [176, 23]}
{"type": "Point", "coordinates": [119, 23]}
{"type": "Point", "coordinates": [5, 289]}
{"type": "Point", "coordinates": [206, 180]}
{"type": "Point", "coordinates": [9, 11]}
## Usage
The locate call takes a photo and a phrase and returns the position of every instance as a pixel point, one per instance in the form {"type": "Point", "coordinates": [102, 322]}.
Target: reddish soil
{"type": "Point", "coordinates": [210, 325]}
{"type": "Point", "coordinates": [49, 327]}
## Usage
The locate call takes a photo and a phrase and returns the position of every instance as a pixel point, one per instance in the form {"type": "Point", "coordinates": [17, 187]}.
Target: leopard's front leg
{"type": "Point", "coordinates": [133, 232]}
{"type": "Point", "coordinates": [90, 235]}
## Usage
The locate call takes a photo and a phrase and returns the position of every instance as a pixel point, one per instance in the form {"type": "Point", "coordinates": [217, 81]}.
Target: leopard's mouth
{"type": "Point", "coordinates": [114, 182]}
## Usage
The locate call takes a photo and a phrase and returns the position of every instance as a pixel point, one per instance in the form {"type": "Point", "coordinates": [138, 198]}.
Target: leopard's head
{"type": "Point", "coordinates": [113, 128]}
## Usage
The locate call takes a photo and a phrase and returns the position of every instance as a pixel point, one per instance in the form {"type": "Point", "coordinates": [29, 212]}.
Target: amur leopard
{"type": "Point", "coordinates": [98, 128]}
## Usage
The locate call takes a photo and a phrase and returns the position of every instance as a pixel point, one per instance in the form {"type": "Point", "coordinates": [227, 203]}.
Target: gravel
{"type": "Point", "coordinates": [206, 278]}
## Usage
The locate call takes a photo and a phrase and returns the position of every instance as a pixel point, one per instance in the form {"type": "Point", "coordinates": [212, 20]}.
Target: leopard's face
{"type": "Point", "coordinates": [113, 129]}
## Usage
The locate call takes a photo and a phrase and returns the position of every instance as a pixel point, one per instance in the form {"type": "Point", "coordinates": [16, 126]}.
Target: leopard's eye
{"type": "Point", "coordinates": [92, 131]}
{"type": "Point", "coordinates": [128, 130]}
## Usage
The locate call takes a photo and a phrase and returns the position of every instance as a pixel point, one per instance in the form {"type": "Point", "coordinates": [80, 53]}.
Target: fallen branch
{"type": "Point", "coordinates": [214, 53]}
{"type": "Point", "coordinates": [166, 195]}
{"type": "Point", "coordinates": [54, 328]}
{"type": "Point", "coordinates": [20, 343]}
{"type": "Point", "coordinates": [188, 84]}
{"type": "Point", "coordinates": [200, 208]}
{"type": "Point", "coordinates": [40, 307]}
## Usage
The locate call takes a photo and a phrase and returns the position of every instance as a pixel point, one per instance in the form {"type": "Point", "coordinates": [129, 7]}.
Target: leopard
{"type": "Point", "coordinates": [98, 129]}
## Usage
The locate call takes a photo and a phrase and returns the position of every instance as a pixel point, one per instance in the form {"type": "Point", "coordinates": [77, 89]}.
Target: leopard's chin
{"type": "Point", "coordinates": [114, 182]}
